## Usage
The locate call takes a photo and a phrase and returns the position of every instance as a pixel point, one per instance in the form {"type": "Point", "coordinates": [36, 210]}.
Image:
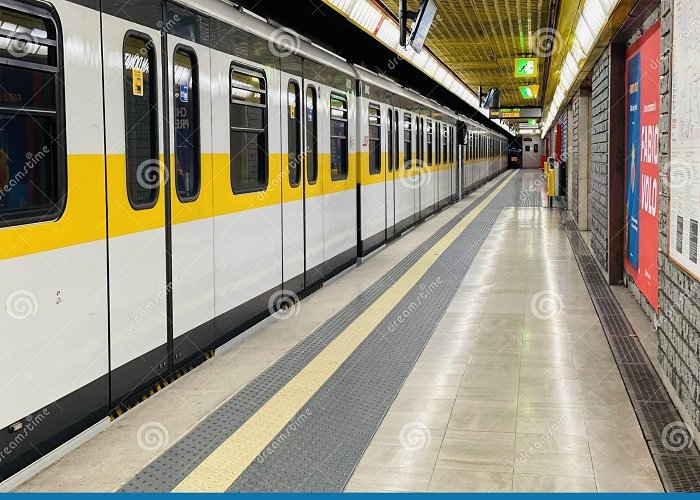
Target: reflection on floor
{"type": "Point", "coordinates": [517, 389]}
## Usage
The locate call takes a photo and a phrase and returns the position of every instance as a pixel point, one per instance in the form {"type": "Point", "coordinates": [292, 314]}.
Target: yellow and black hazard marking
{"type": "Point", "coordinates": [125, 406]}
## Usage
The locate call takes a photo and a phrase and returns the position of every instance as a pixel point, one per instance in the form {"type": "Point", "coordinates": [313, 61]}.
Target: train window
{"type": "Point", "coordinates": [455, 138]}
{"type": "Point", "coordinates": [375, 144]}
{"type": "Point", "coordinates": [450, 145]}
{"type": "Point", "coordinates": [311, 136]}
{"type": "Point", "coordinates": [419, 143]}
{"type": "Point", "coordinates": [32, 158]}
{"type": "Point", "coordinates": [248, 132]}
{"type": "Point", "coordinates": [407, 141]}
{"type": "Point", "coordinates": [444, 143]}
{"type": "Point", "coordinates": [141, 112]}
{"type": "Point", "coordinates": [447, 141]}
{"type": "Point", "coordinates": [396, 140]}
{"type": "Point", "coordinates": [339, 137]}
{"type": "Point", "coordinates": [429, 138]}
{"type": "Point", "coordinates": [390, 140]}
{"type": "Point", "coordinates": [293, 133]}
{"type": "Point", "coordinates": [437, 142]}
{"type": "Point", "coordinates": [422, 142]}
{"type": "Point", "coordinates": [186, 107]}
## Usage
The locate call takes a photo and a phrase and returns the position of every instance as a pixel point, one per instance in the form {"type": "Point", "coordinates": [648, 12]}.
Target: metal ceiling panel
{"type": "Point", "coordinates": [480, 39]}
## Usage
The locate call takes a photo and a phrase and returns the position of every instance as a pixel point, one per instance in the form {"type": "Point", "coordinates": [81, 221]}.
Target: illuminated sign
{"type": "Point", "coordinates": [525, 67]}
{"type": "Point", "coordinates": [505, 113]}
{"type": "Point", "coordinates": [530, 91]}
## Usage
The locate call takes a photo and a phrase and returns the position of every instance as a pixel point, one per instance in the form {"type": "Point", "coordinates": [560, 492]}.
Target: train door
{"type": "Point", "coordinates": [470, 160]}
{"type": "Point", "coordinates": [462, 170]}
{"type": "Point", "coordinates": [191, 190]}
{"type": "Point", "coordinates": [137, 201]}
{"type": "Point", "coordinates": [420, 172]}
{"type": "Point", "coordinates": [293, 227]}
{"type": "Point", "coordinates": [459, 168]}
{"type": "Point", "coordinates": [467, 160]}
{"type": "Point", "coordinates": [456, 176]}
{"type": "Point", "coordinates": [390, 174]}
{"type": "Point", "coordinates": [371, 185]}
{"type": "Point", "coordinates": [406, 195]}
{"type": "Point", "coordinates": [313, 188]}
{"type": "Point", "coordinates": [397, 170]}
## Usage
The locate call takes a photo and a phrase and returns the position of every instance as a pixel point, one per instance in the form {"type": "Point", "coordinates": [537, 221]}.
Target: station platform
{"type": "Point", "coordinates": [468, 355]}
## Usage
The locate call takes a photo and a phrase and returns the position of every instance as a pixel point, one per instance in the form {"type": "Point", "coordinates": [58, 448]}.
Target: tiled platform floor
{"type": "Point", "coordinates": [517, 390]}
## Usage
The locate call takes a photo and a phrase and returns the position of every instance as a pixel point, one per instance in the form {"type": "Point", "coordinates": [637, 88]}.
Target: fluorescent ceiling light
{"type": "Point", "coordinates": [372, 19]}
{"type": "Point", "coordinates": [590, 23]}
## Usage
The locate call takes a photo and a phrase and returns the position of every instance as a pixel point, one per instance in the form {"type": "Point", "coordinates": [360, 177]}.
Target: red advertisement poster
{"type": "Point", "coordinates": [642, 163]}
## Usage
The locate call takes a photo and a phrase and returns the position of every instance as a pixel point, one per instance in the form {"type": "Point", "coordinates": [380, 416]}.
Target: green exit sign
{"type": "Point", "coordinates": [526, 67]}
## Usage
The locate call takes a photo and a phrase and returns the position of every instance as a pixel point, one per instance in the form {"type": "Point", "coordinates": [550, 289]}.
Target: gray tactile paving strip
{"type": "Point", "coordinates": [321, 453]}
{"type": "Point", "coordinates": [168, 470]}
{"type": "Point", "coordinates": [678, 465]}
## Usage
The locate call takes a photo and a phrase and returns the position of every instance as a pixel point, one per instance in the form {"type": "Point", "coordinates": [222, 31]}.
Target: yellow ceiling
{"type": "Point", "coordinates": [479, 40]}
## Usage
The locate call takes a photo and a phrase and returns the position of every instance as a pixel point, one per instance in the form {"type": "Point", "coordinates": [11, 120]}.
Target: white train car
{"type": "Point", "coordinates": [169, 176]}
{"type": "Point", "coordinates": [407, 161]}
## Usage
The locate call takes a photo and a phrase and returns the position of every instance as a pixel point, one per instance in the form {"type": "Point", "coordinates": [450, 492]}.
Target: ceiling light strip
{"type": "Point", "coordinates": [371, 18]}
{"type": "Point", "coordinates": [592, 19]}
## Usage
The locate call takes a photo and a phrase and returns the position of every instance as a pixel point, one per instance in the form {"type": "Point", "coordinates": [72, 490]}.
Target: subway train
{"type": "Point", "coordinates": [171, 174]}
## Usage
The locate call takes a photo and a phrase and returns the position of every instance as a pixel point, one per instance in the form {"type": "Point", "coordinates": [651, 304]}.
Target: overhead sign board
{"type": "Point", "coordinates": [426, 13]}
{"type": "Point", "coordinates": [515, 113]}
{"type": "Point", "coordinates": [525, 67]}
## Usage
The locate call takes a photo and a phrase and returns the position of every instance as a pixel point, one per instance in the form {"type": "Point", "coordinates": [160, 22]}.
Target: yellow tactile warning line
{"type": "Point", "coordinates": [223, 466]}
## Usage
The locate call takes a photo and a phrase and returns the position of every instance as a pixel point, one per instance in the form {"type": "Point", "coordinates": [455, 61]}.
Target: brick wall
{"type": "Point", "coordinates": [679, 314]}
{"type": "Point", "coordinates": [574, 153]}
{"type": "Point", "coordinates": [599, 167]}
